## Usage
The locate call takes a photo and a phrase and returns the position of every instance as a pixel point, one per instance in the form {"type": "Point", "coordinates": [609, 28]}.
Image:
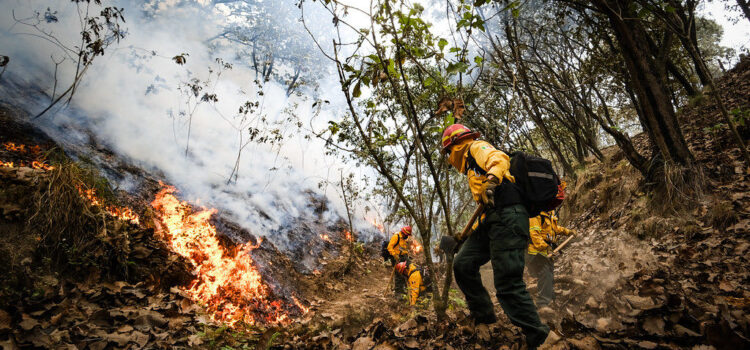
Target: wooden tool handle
{"type": "Point", "coordinates": [563, 244]}
{"type": "Point", "coordinates": [465, 233]}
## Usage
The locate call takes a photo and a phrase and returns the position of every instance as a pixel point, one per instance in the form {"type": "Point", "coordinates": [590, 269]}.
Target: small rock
{"type": "Point", "coordinates": [654, 325]}
{"type": "Point", "coordinates": [592, 303]}
{"type": "Point", "coordinates": [483, 333]}
{"type": "Point", "coordinates": [641, 303]}
{"type": "Point", "coordinates": [602, 324]}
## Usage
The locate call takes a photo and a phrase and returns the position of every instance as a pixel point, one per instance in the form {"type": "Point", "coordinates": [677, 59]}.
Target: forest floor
{"type": "Point", "coordinates": [650, 269]}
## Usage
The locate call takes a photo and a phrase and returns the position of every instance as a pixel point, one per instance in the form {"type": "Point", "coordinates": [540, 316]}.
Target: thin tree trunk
{"type": "Point", "coordinates": [743, 4]}
{"type": "Point", "coordinates": [646, 74]}
{"type": "Point", "coordinates": [531, 106]}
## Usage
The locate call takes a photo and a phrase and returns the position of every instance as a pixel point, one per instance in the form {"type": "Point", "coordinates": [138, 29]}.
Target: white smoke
{"type": "Point", "coordinates": [130, 100]}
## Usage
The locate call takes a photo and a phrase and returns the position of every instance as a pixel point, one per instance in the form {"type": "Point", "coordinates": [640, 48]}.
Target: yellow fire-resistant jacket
{"type": "Point", "coordinates": [493, 161]}
{"type": "Point", "coordinates": [415, 284]}
{"type": "Point", "coordinates": [543, 230]}
{"type": "Point", "coordinates": [398, 246]}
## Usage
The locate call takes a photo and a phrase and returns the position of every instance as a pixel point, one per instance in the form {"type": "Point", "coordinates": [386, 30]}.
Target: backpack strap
{"type": "Point", "coordinates": [418, 269]}
{"type": "Point", "coordinates": [472, 164]}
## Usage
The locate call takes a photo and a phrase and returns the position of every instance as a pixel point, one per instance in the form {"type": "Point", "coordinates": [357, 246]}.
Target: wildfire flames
{"type": "Point", "coordinates": [348, 236]}
{"type": "Point", "coordinates": [326, 238]}
{"type": "Point", "coordinates": [125, 214]}
{"type": "Point", "coordinates": [416, 248]}
{"type": "Point", "coordinates": [23, 149]}
{"type": "Point", "coordinates": [377, 225]}
{"type": "Point", "coordinates": [227, 282]}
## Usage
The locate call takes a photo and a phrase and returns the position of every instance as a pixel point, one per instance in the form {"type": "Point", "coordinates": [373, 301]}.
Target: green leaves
{"type": "Point", "coordinates": [441, 43]}
{"type": "Point", "coordinates": [333, 127]}
{"type": "Point", "coordinates": [457, 67]}
{"type": "Point", "coordinates": [357, 89]}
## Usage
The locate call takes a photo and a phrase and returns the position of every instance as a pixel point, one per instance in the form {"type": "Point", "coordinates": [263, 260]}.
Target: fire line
{"type": "Point", "coordinates": [227, 281]}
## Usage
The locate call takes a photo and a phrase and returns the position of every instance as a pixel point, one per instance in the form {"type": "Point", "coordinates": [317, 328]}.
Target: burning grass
{"type": "Point", "coordinates": [34, 152]}
{"type": "Point", "coordinates": [73, 230]}
{"type": "Point", "coordinates": [227, 280]}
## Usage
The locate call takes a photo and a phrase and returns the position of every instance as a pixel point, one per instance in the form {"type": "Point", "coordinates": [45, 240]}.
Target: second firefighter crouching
{"type": "Point", "coordinates": [418, 280]}
{"type": "Point", "coordinates": [398, 247]}
{"type": "Point", "coordinates": [545, 234]}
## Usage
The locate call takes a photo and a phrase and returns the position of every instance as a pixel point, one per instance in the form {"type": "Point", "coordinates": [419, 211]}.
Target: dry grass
{"type": "Point", "coordinates": [75, 235]}
{"type": "Point", "coordinates": [682, 189]}
{"type": "Point", "coordinates": [721, 213]}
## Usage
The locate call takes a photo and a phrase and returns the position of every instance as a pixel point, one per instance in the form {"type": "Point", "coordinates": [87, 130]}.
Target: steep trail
{"type": "Point", "coordinates": [651, 275]}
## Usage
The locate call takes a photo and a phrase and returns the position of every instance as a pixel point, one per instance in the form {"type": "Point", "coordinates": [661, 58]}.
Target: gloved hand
{"type": "Point", "coordinates": [487, 193]}
{"type": "Point", "coordinates": [552, 245]}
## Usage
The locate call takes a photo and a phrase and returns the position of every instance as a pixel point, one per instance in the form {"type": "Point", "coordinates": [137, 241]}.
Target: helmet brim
{"type": "Point", "coordinates": [472, 135]}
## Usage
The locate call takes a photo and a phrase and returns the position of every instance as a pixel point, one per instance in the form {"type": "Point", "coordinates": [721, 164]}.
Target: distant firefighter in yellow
{"type": "Point", "coordinates": [398, 248]}
{"type": "Point", "coordinates": [418, 280]}
{"type": "Point", "coordinates": [544, 232]}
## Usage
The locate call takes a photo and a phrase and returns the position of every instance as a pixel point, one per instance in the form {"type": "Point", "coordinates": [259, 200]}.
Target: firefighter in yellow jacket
{"type": "Point", "coordinates": [416, 281]}
{"type": "Point", "coordinates": [501, 237]}
{"type": "Point", "coordinates": [544, 232]}
{"type": "Point", "coordinates": [398, 246]}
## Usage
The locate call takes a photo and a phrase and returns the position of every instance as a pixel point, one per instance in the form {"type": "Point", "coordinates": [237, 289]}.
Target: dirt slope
{"type": "Point", "coordinates": [649, 276]}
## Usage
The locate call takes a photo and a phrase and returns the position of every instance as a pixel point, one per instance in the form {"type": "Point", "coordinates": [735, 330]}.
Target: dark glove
{"type": "Point", "coordinates": [553, 245]}
{"type": "Point", "coordinates": [487, 193]}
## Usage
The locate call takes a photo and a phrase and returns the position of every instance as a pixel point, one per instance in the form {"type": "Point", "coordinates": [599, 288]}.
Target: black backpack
{"type": "Point", "coordinates": [542, 188]}
{"type": "Point", "coordinates": [426, 277]}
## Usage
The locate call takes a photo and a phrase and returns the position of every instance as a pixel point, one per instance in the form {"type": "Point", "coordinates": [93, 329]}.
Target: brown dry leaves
{"type": "Point", "coordinates": [97, 316]}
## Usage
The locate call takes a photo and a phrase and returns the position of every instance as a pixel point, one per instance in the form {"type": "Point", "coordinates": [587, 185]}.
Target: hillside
{"type": "Point", "coordinates": [650, 269]}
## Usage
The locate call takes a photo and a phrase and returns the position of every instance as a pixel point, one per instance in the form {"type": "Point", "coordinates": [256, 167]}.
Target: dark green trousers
{"type": "Point", "coordinates": [502, 238]}
{"type": "Point", "coordinates": [399, 280]}
{"type": "Point", "coordinates": [543, 269]}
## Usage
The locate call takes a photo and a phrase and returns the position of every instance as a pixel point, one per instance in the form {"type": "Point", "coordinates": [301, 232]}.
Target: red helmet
{"type": "Point", "coordinates": [406, 230]}
{"type": "Point", "coordinates": [401, 267]}
{"type": "Point", "coordinates": [455, 133]}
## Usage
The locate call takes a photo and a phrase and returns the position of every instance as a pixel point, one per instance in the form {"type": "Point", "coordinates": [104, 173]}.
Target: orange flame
{"type": "Point", "coordinates": [415, 247]}
{"type": "Point", "coordinates": [122, 213]}
{"type": "Point", "coordinates": [40, 165]}
{"type": "Point", "coordinates": [10, 146]}
{"type": "Point", "coordinates": [326, 238]}
{"type": "Point", "coordinates": [227, 282]}
{"type": "Point", "coordinates": [348, 235]}
{"type": "Point", "coordinates": [300, 306]}
{"type": "Point", "coordinates": [377, 225]}
{"type": "Point", "coordinates": [20, 148]}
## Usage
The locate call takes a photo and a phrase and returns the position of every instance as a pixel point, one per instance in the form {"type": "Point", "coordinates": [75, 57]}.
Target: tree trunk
{"type": "Point", "coordinates": [648, 80]}
{"type": "Point", "coordinates": [743, 4]}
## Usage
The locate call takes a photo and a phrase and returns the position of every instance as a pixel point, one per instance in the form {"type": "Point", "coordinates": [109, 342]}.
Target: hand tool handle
{"type": "Point", "coordinates": [467, 229]}
{"type": "Point", "coordinates": [562, 245]}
